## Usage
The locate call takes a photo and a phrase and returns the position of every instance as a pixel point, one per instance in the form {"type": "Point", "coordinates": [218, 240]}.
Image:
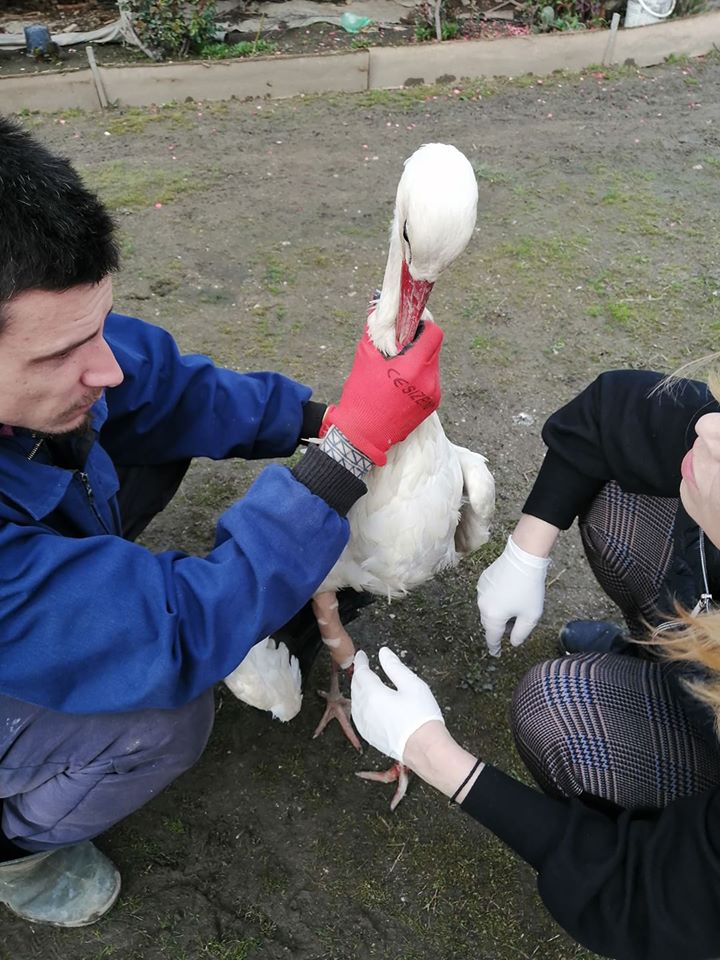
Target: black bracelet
{"type": "Point", "coordinates": [465, 781]}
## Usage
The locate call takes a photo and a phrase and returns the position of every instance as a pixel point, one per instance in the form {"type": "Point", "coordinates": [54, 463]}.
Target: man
{"type": "Point", "coordinates": [108, 652]}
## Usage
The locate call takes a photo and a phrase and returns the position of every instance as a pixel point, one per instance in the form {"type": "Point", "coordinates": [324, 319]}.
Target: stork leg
{"type": "Point", "coordinates": [338, 707]}
{"type": "Point", "coordinates": [342, 651]}
{"type": "Point", "coordinates": [398, 771]}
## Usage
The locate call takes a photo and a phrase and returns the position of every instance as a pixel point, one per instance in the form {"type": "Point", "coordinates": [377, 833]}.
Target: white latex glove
{"type": "Point", "coordinates": [512, 586]}
{"type": "Point", "coordinates": [387, 718]}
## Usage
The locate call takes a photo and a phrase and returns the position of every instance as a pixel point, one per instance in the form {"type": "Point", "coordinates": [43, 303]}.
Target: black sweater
{"type": "Point", "coordinates": [638, 885]}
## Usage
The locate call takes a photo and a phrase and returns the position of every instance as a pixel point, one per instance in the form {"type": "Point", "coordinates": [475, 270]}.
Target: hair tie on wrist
{"type": "Point", "coordinates": [465, 781]}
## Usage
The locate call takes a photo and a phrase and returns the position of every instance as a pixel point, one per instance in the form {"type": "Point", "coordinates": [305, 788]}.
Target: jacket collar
{"type": "Point", "coordinates": [37, 487]}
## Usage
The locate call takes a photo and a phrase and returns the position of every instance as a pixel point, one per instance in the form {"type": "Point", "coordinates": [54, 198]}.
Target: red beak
{"type": "Point", "coordinates": [413, 297]}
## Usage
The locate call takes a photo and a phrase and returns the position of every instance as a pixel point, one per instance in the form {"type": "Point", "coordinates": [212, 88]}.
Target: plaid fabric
{"type": "Point", "coordinates": [611, 726]}
{"type": "Point", "coordinates": [628, 540]}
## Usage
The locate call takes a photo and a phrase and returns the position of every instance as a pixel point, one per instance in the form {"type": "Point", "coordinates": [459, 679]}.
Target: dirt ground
{"type": "Point", "coordinates": [255, 232]}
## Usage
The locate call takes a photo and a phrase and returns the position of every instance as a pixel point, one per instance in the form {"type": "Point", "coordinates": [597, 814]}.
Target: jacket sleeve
{"type": "Point", "coordinates": [172, 406]}
{"type": "Point", "coordinates": [616, 429]}
{"type": "Point", "coordinates": [635, 886]}
{"type": "Point", "coordinates": [100, 624]}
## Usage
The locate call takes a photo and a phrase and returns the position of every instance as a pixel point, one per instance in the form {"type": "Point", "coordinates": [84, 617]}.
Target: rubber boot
{"type": "Point", "coordinates": [67, 887]}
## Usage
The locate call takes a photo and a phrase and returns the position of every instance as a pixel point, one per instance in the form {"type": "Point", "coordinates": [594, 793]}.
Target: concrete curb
{"type": "Point", "coordinates": [376, 68]}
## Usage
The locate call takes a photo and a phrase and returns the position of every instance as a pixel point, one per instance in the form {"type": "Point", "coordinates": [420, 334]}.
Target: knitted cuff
{"type": "Point", "coordinates": [327, 478]}
{"type": "Point", "coordinates": [336, 445]}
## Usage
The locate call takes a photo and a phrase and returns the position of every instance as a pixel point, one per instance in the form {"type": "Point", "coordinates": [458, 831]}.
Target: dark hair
{"type": "Point", "coordinates": [54, 233]}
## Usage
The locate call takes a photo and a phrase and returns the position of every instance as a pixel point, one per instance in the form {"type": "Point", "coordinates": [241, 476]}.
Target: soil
{"type": "Point", "coordinates": [255, 232]}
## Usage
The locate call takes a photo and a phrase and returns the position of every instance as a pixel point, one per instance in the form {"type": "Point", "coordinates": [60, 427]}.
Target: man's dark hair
{"type": "Point", "coordinates": [54, 233]}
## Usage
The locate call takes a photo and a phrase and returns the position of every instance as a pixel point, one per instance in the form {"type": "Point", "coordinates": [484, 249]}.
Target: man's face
{"type": "Point", "coordinates": [54, 362]}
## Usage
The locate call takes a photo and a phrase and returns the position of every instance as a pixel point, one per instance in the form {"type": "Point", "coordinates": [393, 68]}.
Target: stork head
{"type": "Point", "coordinates": [435, 210]}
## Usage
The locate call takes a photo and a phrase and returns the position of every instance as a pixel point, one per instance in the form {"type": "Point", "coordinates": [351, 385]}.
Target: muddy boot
{"type": "Point", "coordinates": [67, 887]}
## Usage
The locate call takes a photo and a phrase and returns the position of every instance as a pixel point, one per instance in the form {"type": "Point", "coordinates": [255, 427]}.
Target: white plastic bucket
{"type": "Point", "coordinates": [640, 13]}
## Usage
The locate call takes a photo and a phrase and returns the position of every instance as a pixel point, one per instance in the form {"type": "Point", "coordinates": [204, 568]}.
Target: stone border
{"type": "Point", "coordinates": [356, 71]}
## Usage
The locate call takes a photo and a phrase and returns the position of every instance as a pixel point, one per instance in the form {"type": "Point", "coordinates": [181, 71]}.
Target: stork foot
{"type": "Point", "coordinates": [338, 708]}
{"type": "Point", "coordinates": [398, 771]}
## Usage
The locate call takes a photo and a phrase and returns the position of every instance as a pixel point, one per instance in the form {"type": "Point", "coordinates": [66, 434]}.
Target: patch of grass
{"type": "Point", "coordinates": [621, 314]}
{"type": "Point", "coordinates": [230, 949]}
{"type": "Point", "coordinates": [228, 51]}
{"type": "Point", "coordinates": [482, 343]}
{"type": "Point", "coordinates": [174, 825]}
{"type": "Point", "coordinates": [123, 186]}
{"type": "Point", "coordinates": [615, 195]}
{"type": "Point", "coordinates": [485, 172]}
{"type": "Point", "coordinates": [126, 242]}
{"type": "Point", "coordinates": [316, 257]}
{"type": "Point", "coordinates": [550, 252]}
{"type": "Point", "coordinates": [72, 113]}
{"type": "Point", "coordinates": [679, 59]}
{"type": "Point", "coordinates": [136, 119]}
{"type": "Point", "coordinates": [276, 276]}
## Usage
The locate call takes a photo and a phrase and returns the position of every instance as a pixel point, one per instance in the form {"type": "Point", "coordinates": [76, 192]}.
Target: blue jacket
{"type": "Point", "coordinates": [90, 622]}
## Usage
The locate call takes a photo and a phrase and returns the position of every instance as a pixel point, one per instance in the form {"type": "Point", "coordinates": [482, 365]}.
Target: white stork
{"type": "Point", "coordinates": [431, 504]}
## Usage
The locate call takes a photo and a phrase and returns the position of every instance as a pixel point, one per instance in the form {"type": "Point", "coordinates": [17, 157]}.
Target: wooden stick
{"type": "Point", "coordinates": [99, 86]}
{"type": "Point", "coordinates": [610, 48]}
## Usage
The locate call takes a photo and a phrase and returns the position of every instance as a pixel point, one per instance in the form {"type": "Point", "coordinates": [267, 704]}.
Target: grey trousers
{"type": "Point", "coordinates": [66, 777]}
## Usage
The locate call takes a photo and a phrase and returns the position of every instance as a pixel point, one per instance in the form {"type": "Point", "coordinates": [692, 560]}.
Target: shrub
{"type": "Point", "coordinates": [172, 28]}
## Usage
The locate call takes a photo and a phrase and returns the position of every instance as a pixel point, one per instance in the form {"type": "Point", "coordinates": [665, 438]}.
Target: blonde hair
{"type": "Point", "coordinates": [696, 640]}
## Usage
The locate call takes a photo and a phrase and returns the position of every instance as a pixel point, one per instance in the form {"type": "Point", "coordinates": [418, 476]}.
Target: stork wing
{"type": "Point", "coordinates": [478, 501]}
{"type": "Point", "coordinates": [269, 679]}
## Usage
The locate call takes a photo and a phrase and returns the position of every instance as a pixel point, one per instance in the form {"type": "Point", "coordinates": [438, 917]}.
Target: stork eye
{"type": "Point", "coordinates": [406, 238]}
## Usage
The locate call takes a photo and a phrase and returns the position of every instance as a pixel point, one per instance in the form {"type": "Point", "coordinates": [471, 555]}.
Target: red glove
{"type": "Point", "coordinates": [385, 398]}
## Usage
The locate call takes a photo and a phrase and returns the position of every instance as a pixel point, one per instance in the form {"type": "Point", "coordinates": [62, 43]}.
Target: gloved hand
{"type": "Point", "coordinates": [512, 586]}
{"type": "Point", "coordinates": [387, 718]}
{"type": "Point", "coordinates": [385, 398]}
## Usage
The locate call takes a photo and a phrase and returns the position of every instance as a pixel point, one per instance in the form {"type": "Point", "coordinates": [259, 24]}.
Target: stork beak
{"type": "Point", "coordinates": [413, 297]}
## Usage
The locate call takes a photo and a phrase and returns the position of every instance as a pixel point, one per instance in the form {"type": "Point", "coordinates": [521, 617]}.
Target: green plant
{"type": "Point", "coordinates": [245, 48]}
{"type": "Point", "coordinates": [450, 29]}
{"type": "Point", "coordinates": [427, 19]}
{"type": "Point", "coordinates": [172, 28]}
{"type": "Point", "coordinates": [423, 31]}
{"type": "Point", "coordinates": [565, 15]}
{"type": "Point", "coordinates": [360, 43]}
{"type": "Point", "coordinates": [571, 21]}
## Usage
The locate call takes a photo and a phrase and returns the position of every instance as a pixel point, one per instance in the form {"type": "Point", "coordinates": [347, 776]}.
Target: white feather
{"type": "Point", "coordinates": [269, 679]}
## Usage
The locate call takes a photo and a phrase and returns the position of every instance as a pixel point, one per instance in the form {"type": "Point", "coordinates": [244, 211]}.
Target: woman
{"type": "Point", "coordinates": [625, 836]}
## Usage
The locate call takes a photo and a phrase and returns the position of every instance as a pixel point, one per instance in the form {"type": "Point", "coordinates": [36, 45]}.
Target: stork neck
{"type": "Point", "coordinates": [381, 323]}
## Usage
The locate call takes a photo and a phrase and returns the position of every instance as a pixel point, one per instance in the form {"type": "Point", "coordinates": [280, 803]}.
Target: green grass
{"type": "Point", "coordinates": [228, 51]}
{"type": "Point", "coordinates": [229, 949]}
{"type": "Point", "coordinates": [491, 175]}
{"type": "Point", "coordinates": [122, 185]}
{"type": "Point", "coordinates": [276, 276]}
{"type": "Point", "coordinates": [552, 252]}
